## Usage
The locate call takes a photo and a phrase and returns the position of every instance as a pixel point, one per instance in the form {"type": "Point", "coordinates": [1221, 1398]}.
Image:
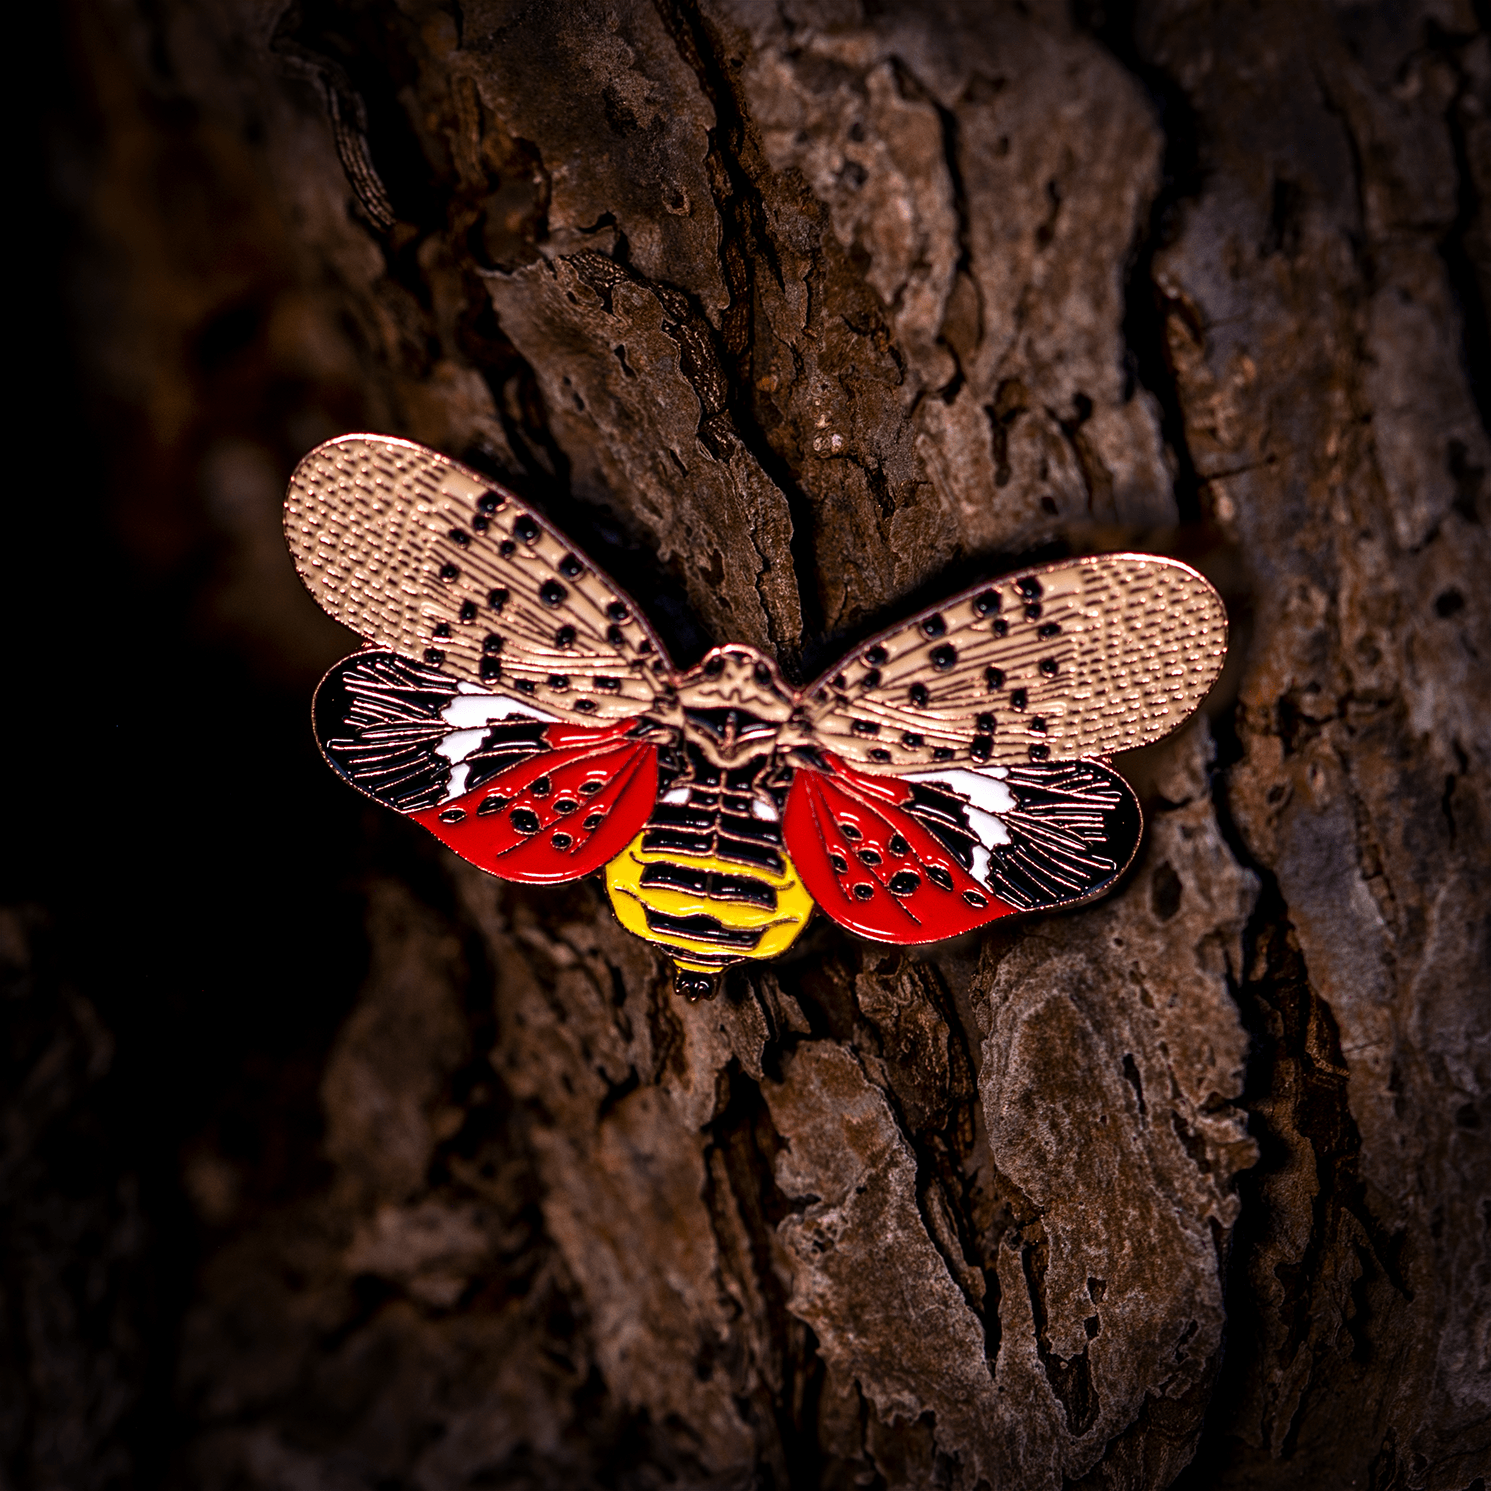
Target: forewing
{"type": "Point", "coordinates": [421, 555]}
{"type": "Point", "coordinates": [504, 783]}
{"type": "Point", "coordinates": [1082, 658]}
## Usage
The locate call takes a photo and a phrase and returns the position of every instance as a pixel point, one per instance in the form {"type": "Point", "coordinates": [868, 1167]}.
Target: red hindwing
{"type": "Point", "coordinates": [559, 815]}
{"type": "Point", "coordinates": [872, 866]}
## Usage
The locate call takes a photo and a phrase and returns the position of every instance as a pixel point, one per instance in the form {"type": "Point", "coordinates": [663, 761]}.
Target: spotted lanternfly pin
{"type": "Point", "coordinates": [948, 772]}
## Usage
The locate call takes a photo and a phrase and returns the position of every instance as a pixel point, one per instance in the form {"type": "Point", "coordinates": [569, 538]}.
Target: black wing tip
{"type": "Point", "coordinates": [1038, 874]}
{"type": "Point", "coordinates": [413, 693]}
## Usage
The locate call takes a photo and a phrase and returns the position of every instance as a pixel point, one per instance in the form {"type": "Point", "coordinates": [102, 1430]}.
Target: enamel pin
{"type": "Point", "coordinates": [948, 772]}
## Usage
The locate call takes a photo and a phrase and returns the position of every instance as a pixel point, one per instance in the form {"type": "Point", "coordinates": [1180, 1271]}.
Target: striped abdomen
{"type": "Point", "coordinates": [708, 878]}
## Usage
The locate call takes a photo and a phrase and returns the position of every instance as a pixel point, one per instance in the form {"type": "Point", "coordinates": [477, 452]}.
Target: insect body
{"type": "Point", "coordinates": [709, 877]}
{"type": "Point", "coordinates": [946, 773]}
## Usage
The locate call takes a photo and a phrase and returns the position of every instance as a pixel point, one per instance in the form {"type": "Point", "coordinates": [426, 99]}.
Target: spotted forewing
{"type": "Point", "coordinates": [1056, 663]}
{"type": "Point", "coordinates": [418, 554]}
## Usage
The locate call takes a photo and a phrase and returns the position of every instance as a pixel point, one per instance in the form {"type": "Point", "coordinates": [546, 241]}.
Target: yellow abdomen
{"type": "Point", "coordinates": [705, 912]}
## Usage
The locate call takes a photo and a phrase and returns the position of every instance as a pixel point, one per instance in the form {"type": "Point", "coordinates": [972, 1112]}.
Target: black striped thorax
{"type": "Point", "coordinates": [706, 811]}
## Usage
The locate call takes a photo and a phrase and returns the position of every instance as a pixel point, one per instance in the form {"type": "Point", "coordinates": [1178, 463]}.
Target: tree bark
{"type": "Point", "coordinates": [331, 1162]}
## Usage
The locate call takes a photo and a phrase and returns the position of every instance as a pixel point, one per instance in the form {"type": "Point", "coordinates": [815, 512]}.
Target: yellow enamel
{"type": "Point", "coordinates": [630, 900]}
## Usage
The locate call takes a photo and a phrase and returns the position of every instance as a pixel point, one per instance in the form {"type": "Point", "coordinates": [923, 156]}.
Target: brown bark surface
{"type": "Point", "coordinates": [329, 1163]}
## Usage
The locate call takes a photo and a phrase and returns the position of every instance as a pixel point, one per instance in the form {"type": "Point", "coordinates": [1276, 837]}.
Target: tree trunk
{"type": "Point", "coordinates": [331, 1162]}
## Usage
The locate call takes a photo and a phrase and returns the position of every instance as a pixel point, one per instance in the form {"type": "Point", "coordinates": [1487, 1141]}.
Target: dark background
{"type": "Point", "coordinates": [183, 926]}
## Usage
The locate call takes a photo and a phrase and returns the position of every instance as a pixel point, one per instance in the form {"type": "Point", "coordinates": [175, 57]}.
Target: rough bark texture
{"type": "Point", "coordinates": [327, 1162]}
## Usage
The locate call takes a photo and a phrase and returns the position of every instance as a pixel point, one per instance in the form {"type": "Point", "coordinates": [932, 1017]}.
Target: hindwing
{"type": "Point", "coordinates": [932, 854]}
{"type": "Point", "coordinates": [873, 866]}
{"type": "Point", "coordinates": [506, 784]}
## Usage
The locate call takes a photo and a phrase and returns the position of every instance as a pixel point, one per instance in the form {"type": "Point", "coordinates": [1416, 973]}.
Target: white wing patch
{"type": "Point", "coordinates": [470, 709]}
{"type": "Point", "coordinates": [471, 714]}
{"type": "Point", "coordinates": [984, 789]}
{"type": "Point", "coordinates": [987, 800]}
{"type": "Point", "coordinates": [456, 747]}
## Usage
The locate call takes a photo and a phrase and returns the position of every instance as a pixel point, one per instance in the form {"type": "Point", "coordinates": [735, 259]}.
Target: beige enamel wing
{"type": "Point", "coordinates": [417, 553]}
{"type": "Point", "coordinates": [1063, 661]}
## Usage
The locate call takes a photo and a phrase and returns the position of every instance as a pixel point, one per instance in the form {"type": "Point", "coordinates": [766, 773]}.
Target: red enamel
{"type": "Point", "coordinates": [628, 770]}
{"type": "Point", "coordinates": [819, 802]}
